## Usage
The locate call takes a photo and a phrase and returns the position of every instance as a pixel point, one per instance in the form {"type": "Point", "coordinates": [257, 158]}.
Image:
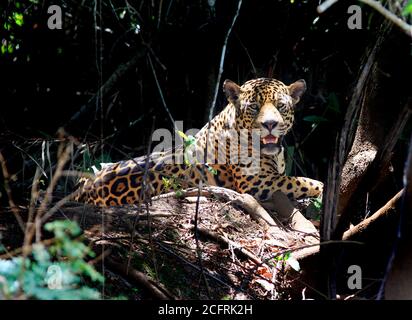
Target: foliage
{"type": "Point", "coordinates": [89, 161]}
{"type": "Point", "coordinates": [53, 272]}
{"type": "Point", "coordinates": [314, 210]}
{"type": "Point", "coordinates": [315, 119]}
{"type": "Point", "coordinates": [12, 22]}
{"type": "Point", "coordinates": [333, 102]}
{"type": "Point", "coordinates": [188, 144]}
{"type": "Point", "coordinates": [317, 203]}
{"type": "Point", "coordinates": [289, 259]}
{"type": "Point", "coordinates": [172, 183]}
{"type": "Point", "coordinates": [408, 9]}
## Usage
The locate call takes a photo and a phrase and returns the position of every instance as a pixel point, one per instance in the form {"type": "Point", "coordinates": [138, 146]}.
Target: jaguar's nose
{"type": "Point", "coordinates": [269, 124]}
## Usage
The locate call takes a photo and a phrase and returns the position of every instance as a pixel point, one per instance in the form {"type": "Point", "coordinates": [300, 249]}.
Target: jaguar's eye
{"type": "Point", "coordinates": [254, 106]}
{"type": "Point", "coordinates": [282, 107]}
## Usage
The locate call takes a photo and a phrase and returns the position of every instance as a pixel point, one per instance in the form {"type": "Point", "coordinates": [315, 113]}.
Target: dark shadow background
{"type": "Point", "coordinates": [55, 72]}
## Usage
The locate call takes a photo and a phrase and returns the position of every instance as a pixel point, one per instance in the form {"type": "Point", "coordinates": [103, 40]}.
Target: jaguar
{"type": "Point", "coordinates": [261, 111]}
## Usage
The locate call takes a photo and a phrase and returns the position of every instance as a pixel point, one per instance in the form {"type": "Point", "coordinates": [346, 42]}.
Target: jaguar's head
{"type": "Point", "coordinates": [267, 105]}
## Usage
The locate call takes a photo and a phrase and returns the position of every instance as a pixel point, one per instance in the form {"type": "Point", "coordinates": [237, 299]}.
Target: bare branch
{"type": "Point", "coordinates": [13, 206]}
{"type": "Point", "coordinates": [384, 211]}
{"type": "Point", "coordinates": [402, 24]}
{"type": "Point", "coordinates": [405, 27]}
{"type": "Point", "coordinates": [222, 61]}
{"type": "Point", "coordinates": [326, 5]}
{"type": "Point", "coordinates": [140, 278]}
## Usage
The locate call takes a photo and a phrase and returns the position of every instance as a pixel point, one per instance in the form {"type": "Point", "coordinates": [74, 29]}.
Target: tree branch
{"type": "Point", "coordinates": [403, 25]}
{"type": "Point", "coordinates": [141, 279]}
{"type": "Point", "coordinates": [384, 211]}
{"type": "Point", "coordinates": [222, 61]}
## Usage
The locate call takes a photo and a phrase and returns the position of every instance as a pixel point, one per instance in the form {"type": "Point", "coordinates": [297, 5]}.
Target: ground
{"type": "Point", "coordinates": [238, 257]}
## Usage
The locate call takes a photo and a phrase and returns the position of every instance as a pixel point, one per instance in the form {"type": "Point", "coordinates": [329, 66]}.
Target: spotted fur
{"type": "Point", "coordinates": [266, 105]}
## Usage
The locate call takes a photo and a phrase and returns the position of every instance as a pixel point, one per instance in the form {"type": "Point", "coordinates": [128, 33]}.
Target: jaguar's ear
{"type": "Point", "coordinates": [297, 89]}
{"type": "Point", "coordinates": [232, 91]}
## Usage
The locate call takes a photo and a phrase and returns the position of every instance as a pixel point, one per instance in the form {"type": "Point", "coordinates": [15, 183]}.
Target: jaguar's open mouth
{"type": "Point", "coordinates": [270, 139]}
{"type": "Point", "coordinates": [270, 144]}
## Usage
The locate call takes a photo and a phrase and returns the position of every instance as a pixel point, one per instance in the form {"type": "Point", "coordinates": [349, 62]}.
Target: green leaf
{"type": "Point", "coordinates": [166, 182]}
{"type": "Point", "coordinates": [186, 161]}
{"type": "Point", "coordinates": [63, 227]}
{"type": "Point", "coordinates": [82, 267]}
{"type": "Point", "coordinates": [212, 170]}
{"type": "Point", "coordinates": [18, 18]}
{"type": "Point", "coordinates": [408, 9]}
{"type": "Point", "coordinates": [287, 255]}
{"type": "Point", "coordinates": [182, 135]}
{"type": "Point", "coordinates": [40, 254]}
{"type": "Point", "coordinates": [103, 158]}
{"type": "Point", "coordinates": [315, 119]}
{"type": "Point", "coordinates": [87, 160]}
{"type": "Point", "coordinates": [317, 203]}
{"type": "Point", "coordinates": [190, 141]}
{"type": "Point", "coordinates": [179, 193]}
{"type": "Point", "coordinates": [333, 102]}
{"type": "Point", "coordinates": [8, 267]}
{"type": "Point", "coordinates": [65, 254]}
